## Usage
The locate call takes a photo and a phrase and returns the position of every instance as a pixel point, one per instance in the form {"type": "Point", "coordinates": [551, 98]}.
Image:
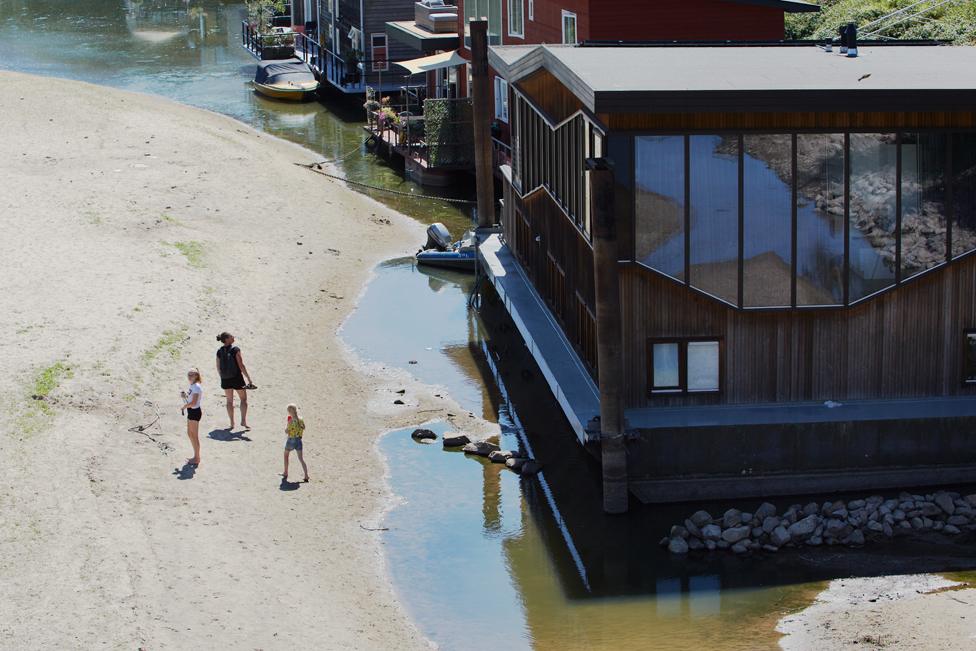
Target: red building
{"type": "Point", "coordinates": [532, 22]}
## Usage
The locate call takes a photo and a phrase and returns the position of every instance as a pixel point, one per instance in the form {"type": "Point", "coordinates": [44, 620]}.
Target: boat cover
{"type": "Point", "coordinates": [285, 70]}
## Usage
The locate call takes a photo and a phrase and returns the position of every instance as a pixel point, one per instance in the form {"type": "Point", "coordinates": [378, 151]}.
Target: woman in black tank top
{"type": "Point", "coordinates": [233, 376]}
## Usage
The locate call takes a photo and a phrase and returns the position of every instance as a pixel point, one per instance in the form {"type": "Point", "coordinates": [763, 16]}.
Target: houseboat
{"type": "Point", "coordinates": [792, 230]}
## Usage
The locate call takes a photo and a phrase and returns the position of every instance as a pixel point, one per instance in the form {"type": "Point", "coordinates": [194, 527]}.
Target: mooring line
{"type": "Point", "coordinates": [315, 167]}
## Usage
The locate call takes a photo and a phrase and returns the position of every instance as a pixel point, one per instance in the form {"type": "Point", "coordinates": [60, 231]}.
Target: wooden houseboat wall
{"type": "Point", "coordinates": [903, 336]}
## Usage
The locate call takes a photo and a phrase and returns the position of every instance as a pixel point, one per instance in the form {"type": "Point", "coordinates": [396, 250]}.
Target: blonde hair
{"type": "Point", "coordinates": [293, 410]}
{"type": "Point", "coordinates": [196, 372]}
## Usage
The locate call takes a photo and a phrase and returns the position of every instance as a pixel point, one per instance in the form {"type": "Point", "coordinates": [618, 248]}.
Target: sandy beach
{"type": "Point", "coordinates": [136, 229]}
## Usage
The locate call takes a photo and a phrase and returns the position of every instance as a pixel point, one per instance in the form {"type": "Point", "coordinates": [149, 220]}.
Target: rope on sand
{"type": "Point", "coordinates": [314, 167]}
{"type": "Point", "coordinates": [141, 429]}
{"type": "Point", "coordinates": [373, 528]}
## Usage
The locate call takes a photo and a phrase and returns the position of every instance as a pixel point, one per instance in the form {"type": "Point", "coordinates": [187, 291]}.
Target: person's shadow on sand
{"type": "Point", "coordinates": [228, 436]}
{"type": "Point", "coordinates": [186, 472]}
{"type": "Point", "coordinates": [288, 485]}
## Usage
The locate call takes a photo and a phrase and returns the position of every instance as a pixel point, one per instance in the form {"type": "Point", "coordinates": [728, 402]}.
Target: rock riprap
{"type": "Point", "coordinates": [853, 523]}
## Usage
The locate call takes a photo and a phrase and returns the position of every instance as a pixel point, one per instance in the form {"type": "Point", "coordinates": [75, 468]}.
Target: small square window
{"type": "Point", "coordinates": [969, 365]}
{"type": "Point", "coordinates": [667, 366]}
{"type": "Point", "coordinates": [703, 366]}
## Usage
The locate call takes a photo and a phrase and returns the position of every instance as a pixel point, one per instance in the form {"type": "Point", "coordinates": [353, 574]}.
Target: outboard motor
{"type": "Point", "coordinates": [438, 237]}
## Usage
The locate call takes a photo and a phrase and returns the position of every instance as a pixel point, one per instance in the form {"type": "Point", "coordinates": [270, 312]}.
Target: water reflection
{"type": "Point", "coordinates": [189, 51]}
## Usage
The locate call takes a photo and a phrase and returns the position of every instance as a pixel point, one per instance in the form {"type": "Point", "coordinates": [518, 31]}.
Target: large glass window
{"type": "Point", "coordinates": [684, 366]}
{"type": "Point", "coordinates": [963, 193]}
{"type": "Point", "coordinates": [490, 9]}
{"type": "Point", "coordinates": [703, 368]}
{"type": "Point", "coordinates": [874, 161]}
{"type": "Point", "coordinates": [767, 196]}
{"type": "Point", "coordinates": [714, 201]}
{"type": "Point", "coordinates": [666, 370]}
{"type": "Point", "coordinates": [820, 219]}
{"type": "Point", "coordinates": [516, 22]}
{"type": "Point", "coordinates": [923, 202]}
{"type": "Point", "coordinates": [660, 200]}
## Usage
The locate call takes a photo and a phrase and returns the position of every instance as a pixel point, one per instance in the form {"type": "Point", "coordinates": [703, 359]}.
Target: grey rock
{"type": "Point", "coordinates": [906, 505]}
{"type": "Point", "coordinates": [710, 545]}
{"type": "Point", "coordinates": [927, 523]}
{"type": "Point", "coordinates": [693, 528]}
{"type": "Point", "coordinates": [515, 463]}
{"type": "Point", "coordinates": [746, 517]}
{"type": "Point", "coordinates": [803, 528]}
{"type": "Point", "coordinates": [764, 511]}
{"type": "Point", "coordinates": [905, 524]}
{"type": "Point", "coordinates": [530, 467]}
{"type": "Point", "coordinates": [694, 544]}
{"type": "Point", "coordinates": [826, 508]}
{"type": "Point", "coordinates": [939, 525]}
{"type": "Point", "coordinates": [740, 547]}
{"type": "Point", "coordinates": [971, 499]}
{"type": "Point", "coordinates": [814, 541]}
{"type": "Point", "coordinates": [856, 538]}
{"type": "Point", "coordinates": [721, 544]}
{"type": "Point", "coordinates": [945, 502]}
{"type": "Point", "coordinates": [874, 525]}
{"type": "Point", "coordinates": [423, 435]}
{"type": "Point", "coordinates": [770, 548]}
{"type": "Point", "coordinates": [779, 536]}
{"type": "Point", "coordinates": [455, 440]}
{"type": "Point", "coordinates": [480, 448]}
{"type": "Point", "coordinates": [853, 505]}
{"type": "Point", "coordinates": [500, 456]}
{"type": "Point", "coordinates": [916, 523]}
{"type": "Point", "coordinates": [839, 513]}
{"type": "Point", "coordinates": [701, 518]}
{"type": "Point", "coordinates": [811, 508]}
{"type": "Point", "coordinates": [677, 531]}
{"type": "Point", "coordinates": [735, 534]}
{"type": "Point", "coordinates": [731, 518]}
{"type": "Point", "coordinates": [898, 515]}
{"type": "Point", "coordinates": [757, 532]}
{"type": "Point", "coordinates": [951, 529]}
{"type": "Point", "coordinates": [884, 510]}
{"type": "Point", "coordinates": [678, 546]}
{"type": "Point", "coordinates": [931, 509]}
{"type": "Point", "coordinates": [711, 532]}
{"type": "Point", "coordinates": [888, 530]}
{"type": "Point", "coordinates": [957, 520]}
{"type": "Point", "coordinates": [770, 523]}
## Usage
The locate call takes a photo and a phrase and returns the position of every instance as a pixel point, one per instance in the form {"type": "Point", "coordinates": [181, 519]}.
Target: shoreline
{"type": "Point", "coordinates": [145, 545]}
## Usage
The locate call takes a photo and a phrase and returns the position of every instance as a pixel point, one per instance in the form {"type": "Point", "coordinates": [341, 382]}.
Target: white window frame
{"type": "Point", "coordinates": [562, 25]}
{"type": "Point", "coordinates": [377, 66]}
{"type": "Point", "coordinates": [521, 5]}
{"type": "Point", "coordinates": [501, 99]}
{"type": "Point", "coordinates": [531, 9]}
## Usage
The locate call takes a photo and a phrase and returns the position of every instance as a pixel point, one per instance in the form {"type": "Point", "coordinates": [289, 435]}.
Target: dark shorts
{"type": "Point", "coordinates": [194, 413]}
{"type": "Point", "coordinates": [236, 382]}
{"type": "Point", "coordinates": [293, 444]}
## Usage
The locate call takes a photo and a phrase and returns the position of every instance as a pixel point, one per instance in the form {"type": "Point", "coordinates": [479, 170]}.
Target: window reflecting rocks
{"type": "Point", "coordinates": [873, 197]}
{"type": "Point", "coordinates": [714, 202]}
{"type": "Point", "coordinates": [923, 202]}
{"type": "Point", "coordinates": [659, 186]}
{"type": "Point", "coordinates": [767, 169]}
{"type": "Point", "coordinates": [963, 193]}
{"type": "Point", "coordinates": [820, 219]}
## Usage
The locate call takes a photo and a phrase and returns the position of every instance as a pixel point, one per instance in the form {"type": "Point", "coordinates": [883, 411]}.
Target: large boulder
{"type": "Point", "coordinates": [423, 435]}
{"type": "Point", "coordinates": [764, 511]}
{"type": "Point", "coordinates": [693, 528]}
{"type": "Point", "coordinates": [779, 536]}
{"type": "Point", "coordinates": [769, 523]}
{"type": "Point", "coordinates": [500, 456]}
{"type": "Point", "coordinates": [480, 448]}
{"type": "Point", "coordinates": [803, 528]}
{"type": "Point", "coordinates": [678, 545]}
{"type": "Point", "coordinates": [455, 440]}
{"type": "Point", "coordinates": [731, 518]}
{"type": "Point", "coordinates": [701, 518]}
{"type": "Point", "coordinates": [735, 534]}
{"type": "Point", "coordinates": [944, 501]}
{"type": "Point", "coordinates": [711, 532]}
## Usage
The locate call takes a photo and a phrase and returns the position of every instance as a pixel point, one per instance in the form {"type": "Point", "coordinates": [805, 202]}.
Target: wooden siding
{"type": "Point", "coordinates": [906, 343]}
{"type": "Point", "coordinates": [559, 264]}
{"type": "Point", "coordinates": [683, 20]}
{"type": "Point", "coordinates": [786, 121]}
{"type": "Point", "coordinates": [551, 97]}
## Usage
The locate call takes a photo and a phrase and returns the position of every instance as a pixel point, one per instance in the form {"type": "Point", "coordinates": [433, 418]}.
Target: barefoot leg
{"type": "Point", "coordinates": [301, 458]}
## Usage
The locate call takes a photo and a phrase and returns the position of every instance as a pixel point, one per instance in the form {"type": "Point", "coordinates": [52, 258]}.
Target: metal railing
{"type": "Point", "coordinates": [266, 46]}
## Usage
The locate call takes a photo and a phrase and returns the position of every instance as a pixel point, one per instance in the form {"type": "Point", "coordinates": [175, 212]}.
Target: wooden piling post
{"type": "Point", "coordinates": [481, 114]}
{"type": "Point", "coordinates": [606, 273]}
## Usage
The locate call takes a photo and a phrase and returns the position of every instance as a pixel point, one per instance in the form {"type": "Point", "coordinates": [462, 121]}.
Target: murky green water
{"type": "Point", "coordinates": [481, 558]}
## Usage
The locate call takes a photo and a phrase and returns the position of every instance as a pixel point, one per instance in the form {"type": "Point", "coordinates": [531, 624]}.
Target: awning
{"type": "Point", "coordinates": [433, 62]}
